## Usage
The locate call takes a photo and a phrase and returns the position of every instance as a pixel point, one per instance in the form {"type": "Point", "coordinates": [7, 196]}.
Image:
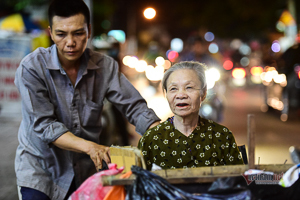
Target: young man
{"type": "Point", "coordinates": [62, 89]}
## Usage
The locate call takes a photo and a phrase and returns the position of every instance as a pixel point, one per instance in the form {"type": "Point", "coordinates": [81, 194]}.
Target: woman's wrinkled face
{"type": "Point", "coordinates": [183, 93]}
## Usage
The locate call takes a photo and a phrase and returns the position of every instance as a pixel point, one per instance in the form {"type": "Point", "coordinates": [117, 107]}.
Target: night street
{"type": "Point", "coordinates": [65, 61]}
{"type": "Point", "coordinates": [273, 137]}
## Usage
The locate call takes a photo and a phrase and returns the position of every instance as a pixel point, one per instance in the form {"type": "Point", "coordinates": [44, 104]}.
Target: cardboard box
{"type": "Point", "coordinates": [126, 156]}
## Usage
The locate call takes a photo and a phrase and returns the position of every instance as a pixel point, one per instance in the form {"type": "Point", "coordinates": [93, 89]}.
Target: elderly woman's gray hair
{"type": "Point", "coordinates": [199, 68]}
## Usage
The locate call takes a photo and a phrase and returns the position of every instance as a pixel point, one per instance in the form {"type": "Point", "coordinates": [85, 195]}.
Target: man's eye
{"type": "Point", "coordinates": [79, 34]}
{"type": "Point", "coordinates": [60, 35]}
{"type": "Point", "coordinates": [189, 88]}
{"type": "Point", "coordinates": [172, 89]}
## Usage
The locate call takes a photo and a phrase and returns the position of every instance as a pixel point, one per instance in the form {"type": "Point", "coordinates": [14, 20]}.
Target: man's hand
{"type": "Point", "coordinates": [70, 142]}
{"type": "Point", "coordinates": [98, 153]}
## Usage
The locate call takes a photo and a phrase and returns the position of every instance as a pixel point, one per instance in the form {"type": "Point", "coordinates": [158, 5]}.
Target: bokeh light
{"type": "Point", "coordinates": [132, 62]}
{"type": "Point", "coordinates": [235, 43]}
{"type": "Point", "coordinates": [167, 53]}
{"type": "Point", "coordinates": [213, 48]}
{"type": "Point", "coordinates": [149, 13]}
{"type": "Point", "coordinates": [256, 70]}
{"type": "Point", "coordinates": [119, 35]}
{"type": "Point", "coordinates": [172, 55]}
{"type": "Point", "coordinates": [228, 65]}
{"type": "Point", "coordinates": [125, 60]}
{"type": "Point", "coordinates": [244, 61]}
{"type": "Point", "coordinates": [154, 74]}
{"type": "Point", "coordinates": [245, 49]}
{"type": "Point", "coordinates": [159, 60]}
{"type": "Point", "coordinates": [177, 44]}
{"type": "Point", "coordinates": [279, 78]}
{"type": "Point", "coordinates": [209, 36]}
{"type": "Point", "coordinates": [141, 66]}
{"type": "Point", "coordinates": [238, 73]}
{"type": "Point", "coordinates": [275, 46]}
{"type": "Point", "coordinates": [167, 64]}
{"type": "Point", "coordinates": [212, 75]}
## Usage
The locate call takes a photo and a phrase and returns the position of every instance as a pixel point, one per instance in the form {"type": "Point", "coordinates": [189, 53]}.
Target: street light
{"type": "Point", "coordinates": [149, 13]}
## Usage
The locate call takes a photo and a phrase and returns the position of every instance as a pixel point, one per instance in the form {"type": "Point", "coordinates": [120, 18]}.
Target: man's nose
{"type": "Point", "coordinates": [70, 41]}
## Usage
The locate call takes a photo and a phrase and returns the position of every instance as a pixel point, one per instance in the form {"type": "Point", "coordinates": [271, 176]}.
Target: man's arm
{"type": "Point", "coordinates": [154, 124]}
{"type": "Point", "coordinates": [68, 141]}
{"type": "Point", "coordinates": [129, 101]}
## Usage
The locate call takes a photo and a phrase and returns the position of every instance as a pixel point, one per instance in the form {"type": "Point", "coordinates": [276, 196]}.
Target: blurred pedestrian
{"type": "Point", "coordinates": [62, 89]}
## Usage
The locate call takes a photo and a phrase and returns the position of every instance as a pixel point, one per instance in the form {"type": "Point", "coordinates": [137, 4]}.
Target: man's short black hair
{"type": "Point", "coordinates": [68, 8]}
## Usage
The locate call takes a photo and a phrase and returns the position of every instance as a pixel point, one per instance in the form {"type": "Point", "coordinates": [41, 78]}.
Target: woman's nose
{"type": "Point", "coordinates": [181, 94]}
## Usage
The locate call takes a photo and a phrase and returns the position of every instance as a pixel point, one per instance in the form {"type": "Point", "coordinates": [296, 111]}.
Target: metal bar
{"type": "Point", "coordinates": [251, 141]}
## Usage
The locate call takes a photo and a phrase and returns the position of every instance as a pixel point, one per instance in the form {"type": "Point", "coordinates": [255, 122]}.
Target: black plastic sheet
{"type": "Point", "coordinates": [149, 186]}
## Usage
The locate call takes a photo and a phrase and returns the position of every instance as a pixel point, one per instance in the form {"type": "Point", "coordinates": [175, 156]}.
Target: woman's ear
{"type": "Point", "coordinates": [203, 96]}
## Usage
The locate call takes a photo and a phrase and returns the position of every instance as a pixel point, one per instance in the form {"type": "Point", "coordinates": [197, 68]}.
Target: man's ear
{"type": "Point", "coordinates": [89, 31]}
{"type": "Point", "coordinates": [49, 29]}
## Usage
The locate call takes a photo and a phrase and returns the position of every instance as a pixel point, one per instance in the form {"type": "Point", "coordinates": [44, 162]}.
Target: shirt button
{"type": "Point", "coordinates": [75, 125]}
{"type": "Point", "coordinates": [74, 104]}
{"type": "Point", "coordinates": [70, 84]}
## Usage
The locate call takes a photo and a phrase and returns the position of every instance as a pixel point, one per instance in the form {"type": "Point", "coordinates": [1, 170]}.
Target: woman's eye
{"type": "Point", "coordinates": [172, 89]}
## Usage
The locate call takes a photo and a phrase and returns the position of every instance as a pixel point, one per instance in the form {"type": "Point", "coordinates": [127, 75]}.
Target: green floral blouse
{"type": "Point", "coordinates": [210, 144]}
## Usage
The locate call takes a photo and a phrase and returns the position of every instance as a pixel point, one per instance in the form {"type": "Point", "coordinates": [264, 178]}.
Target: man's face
{"type": "Point", "coordinates": [70, 34]}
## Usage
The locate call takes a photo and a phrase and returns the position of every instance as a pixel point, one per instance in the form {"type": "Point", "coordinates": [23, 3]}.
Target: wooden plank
{"type": "Point", "coordinates": [202, 171]}
{"type": "Point", "coordinates": [198, 175]}
{"type": "Point", "coordinates": [198, 179]}
{"type": "Point", "coordinates": [251, 141]}
{"type": "Point", "coordinates": [276, 168]}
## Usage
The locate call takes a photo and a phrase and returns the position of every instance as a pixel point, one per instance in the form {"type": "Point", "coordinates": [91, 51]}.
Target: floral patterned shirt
{"type": "Point", "coordinates": [210, 144]}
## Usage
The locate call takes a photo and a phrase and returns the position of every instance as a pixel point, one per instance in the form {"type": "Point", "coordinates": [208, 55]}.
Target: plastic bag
{"type": "Point", "coordinates": [92, 188]}
{"type": "Point", "coordinates": [118, 191]}
{"type": "Point", "coordinates": [290, 176]}
{"type": "Point", "coordinates": [150, 186]}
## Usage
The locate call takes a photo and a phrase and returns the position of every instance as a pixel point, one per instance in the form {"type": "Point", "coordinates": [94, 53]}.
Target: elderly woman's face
{"type": "Point", "coordinates": [183, 92]}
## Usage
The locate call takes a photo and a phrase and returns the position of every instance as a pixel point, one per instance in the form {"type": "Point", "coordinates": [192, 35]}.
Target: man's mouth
{"type": "Point", "coordinates": [71, 52]}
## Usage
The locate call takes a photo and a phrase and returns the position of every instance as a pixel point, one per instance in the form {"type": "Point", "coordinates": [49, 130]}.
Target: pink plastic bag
{"type": "Point", "coordinates": [92, 188]}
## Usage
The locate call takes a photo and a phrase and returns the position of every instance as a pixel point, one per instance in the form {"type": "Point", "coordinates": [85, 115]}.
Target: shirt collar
{"type": "Point", "coordinates": [86, 62]}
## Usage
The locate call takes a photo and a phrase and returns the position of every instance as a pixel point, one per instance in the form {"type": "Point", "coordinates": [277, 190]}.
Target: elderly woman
{"type": "Point", "coordinates": [187, 140]}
